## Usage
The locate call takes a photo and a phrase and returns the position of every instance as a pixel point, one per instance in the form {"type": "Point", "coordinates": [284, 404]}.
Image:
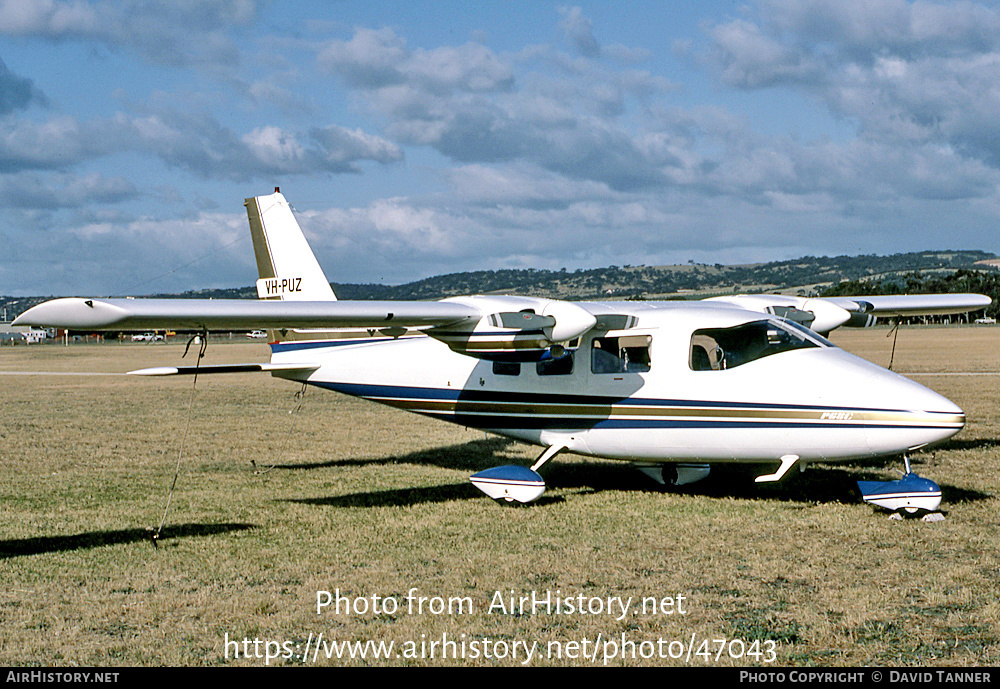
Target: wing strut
{"type": "Point", "coordinates": [546, 456]}
{"type": "Point", "coordinates": [892, 357]}
{"type": "Point", "coordinates": [202, 346]}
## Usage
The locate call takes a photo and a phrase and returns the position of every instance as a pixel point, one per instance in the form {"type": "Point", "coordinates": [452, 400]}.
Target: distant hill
{"type": "Point", "coordinates": [806, 276]}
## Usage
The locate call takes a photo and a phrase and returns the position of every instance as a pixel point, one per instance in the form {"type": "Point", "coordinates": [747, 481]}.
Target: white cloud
{"type": "Point", "coordinates": [374, 59]}
{"type": "Point", "coordinates": [343, 147]}
{"type": "Point", "coordinates": [580, 31]}
{"type": "Point", "coordinates": [164, 31]}
{"type": "Point", "coordinates": [748, 58]}
{"type": "Point", "coordinates": [192, 141]}
{"type": "Point", "coordinates": [59, 190]}
{"type": "Point", "coordinates": [59, 142]}
{"type": "Point", "coordinates": [924, 76]}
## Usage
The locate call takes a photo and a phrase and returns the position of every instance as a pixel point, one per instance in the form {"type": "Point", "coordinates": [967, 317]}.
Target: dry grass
{"type": "Point", "coordinates": [375, 502]}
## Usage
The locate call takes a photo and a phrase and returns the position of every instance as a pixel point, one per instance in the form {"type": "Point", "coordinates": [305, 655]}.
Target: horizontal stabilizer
{"type": "Point", "coordinates": [224, 368]}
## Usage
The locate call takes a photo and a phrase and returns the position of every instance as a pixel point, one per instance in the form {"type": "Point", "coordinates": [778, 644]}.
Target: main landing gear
{"type": "Point", "coordinates": [513, 482]}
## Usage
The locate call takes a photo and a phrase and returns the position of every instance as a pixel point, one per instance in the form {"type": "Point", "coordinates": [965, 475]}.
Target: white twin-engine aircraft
{"type": "Point", "coordinates": [660, 384]}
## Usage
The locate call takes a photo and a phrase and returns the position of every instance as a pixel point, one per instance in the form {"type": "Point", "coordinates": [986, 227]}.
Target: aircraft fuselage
{"type": "Point", "coordinates": [808, 399]}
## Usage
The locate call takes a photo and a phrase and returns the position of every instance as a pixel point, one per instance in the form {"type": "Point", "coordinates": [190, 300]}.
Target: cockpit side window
{"type": "Point", "coordinates": [717, 349]}
{"type": "Point", "coordinates": [628, 354]}
{"type": "Point", "coordinates": [562, 366]}
{"type": "Point", "coordinates": [506, 368]}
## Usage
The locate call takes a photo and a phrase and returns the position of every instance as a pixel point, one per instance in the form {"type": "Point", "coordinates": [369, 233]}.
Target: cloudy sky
{"type": "Point", "coordinates": [420, 138]}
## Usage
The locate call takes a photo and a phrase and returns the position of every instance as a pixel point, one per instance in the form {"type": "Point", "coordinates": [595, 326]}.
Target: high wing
{"type": "Point", "coordinates": [498, 328]}
{"type": "Point", "coordinates": [821, 314]}
{"type": "Point", "coordinates": [240, 314]}
{"type": "Point", "coordinates": [824, 314]}
{"type": "Point", "coordinates": [913, 304]}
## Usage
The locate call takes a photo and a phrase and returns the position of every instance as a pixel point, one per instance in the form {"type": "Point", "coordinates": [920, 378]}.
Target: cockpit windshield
{"type": "Point", "coordinates": [717, 349]}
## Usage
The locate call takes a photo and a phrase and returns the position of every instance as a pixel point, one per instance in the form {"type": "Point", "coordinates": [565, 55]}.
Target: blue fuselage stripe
{"type": "Point", "coordinates": [581, 423]}
{"type": "Point", "coordinates": [513, 410]}
{"type": "Point", "coordinates": [403, 393]}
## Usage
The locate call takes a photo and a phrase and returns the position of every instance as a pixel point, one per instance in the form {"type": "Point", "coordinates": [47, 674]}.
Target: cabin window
{"type": "Point", "coordinates": [629, 354]}
{"type": "Point", "coordinates": [506, 368]}
{"type": "Point", "coordinates": [717, 349]}
{"type": "Point", "coordinates": [563, 366]}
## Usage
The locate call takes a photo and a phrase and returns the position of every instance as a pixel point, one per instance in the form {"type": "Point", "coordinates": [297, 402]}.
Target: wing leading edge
{"type": "Point", "coordinates": [235, 314]}
{"type": "Point", "coordinates": [913, 304]}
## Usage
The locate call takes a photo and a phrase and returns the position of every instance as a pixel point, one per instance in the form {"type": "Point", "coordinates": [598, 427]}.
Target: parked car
{"type": "Point", "coordinates": [986, 320]}
{"type": "Point", "coordinates": [257, 334]}
{"type": "Point", "coordinates": [147, 337]}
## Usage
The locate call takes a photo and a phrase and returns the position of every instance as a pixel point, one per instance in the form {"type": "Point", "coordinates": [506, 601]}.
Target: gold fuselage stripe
{"type": "Point", "coordinates": [604, 411]}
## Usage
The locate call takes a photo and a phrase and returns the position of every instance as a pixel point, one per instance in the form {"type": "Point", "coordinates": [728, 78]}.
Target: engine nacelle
{"type": "Point", "coordinates": [860, 320]}
{"type": "Point", "coordinates": [571, 321]}
{"type": "Point", "coordinates": [826, 316]}
{"type": "Point", "coordinates": [515, 337]}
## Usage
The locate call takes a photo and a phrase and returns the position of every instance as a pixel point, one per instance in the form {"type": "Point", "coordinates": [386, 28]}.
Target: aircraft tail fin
{"type": "Point", "coordinates": [287, 267]}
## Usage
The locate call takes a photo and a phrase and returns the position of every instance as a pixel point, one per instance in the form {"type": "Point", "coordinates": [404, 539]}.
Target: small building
{"type": "Point", "coordinates": [11, 334]}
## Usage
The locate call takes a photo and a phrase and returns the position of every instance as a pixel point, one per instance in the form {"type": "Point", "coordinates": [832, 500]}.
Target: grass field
{"type": "Point", "coordinates": [272, 507]}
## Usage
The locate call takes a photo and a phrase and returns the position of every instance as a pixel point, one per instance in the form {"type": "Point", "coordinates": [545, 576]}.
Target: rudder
{"type": "Point", "coordinates": [287, 267]}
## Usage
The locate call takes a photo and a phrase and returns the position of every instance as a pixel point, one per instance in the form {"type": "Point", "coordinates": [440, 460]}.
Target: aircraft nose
{"type": "Point", "coordinates": [911, 416]}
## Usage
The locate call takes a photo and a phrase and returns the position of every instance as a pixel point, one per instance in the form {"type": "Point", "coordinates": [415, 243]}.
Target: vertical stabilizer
{"type": "Point", "coordinates": [287, 267]}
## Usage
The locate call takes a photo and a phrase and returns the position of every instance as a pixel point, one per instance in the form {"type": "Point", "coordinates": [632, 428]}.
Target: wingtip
{"type": "Point", "coordinates": [74, 313]}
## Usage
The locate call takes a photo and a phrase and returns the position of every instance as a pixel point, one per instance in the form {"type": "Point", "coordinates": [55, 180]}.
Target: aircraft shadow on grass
{"type": "Point", "coordinates": [822, 484]}
{"type": "Point", "coordinates": [464, 457]}
{"type": "Point", "coordinates": [19, 547]}
{"type": "Point", "coordinates": [973, 444]}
